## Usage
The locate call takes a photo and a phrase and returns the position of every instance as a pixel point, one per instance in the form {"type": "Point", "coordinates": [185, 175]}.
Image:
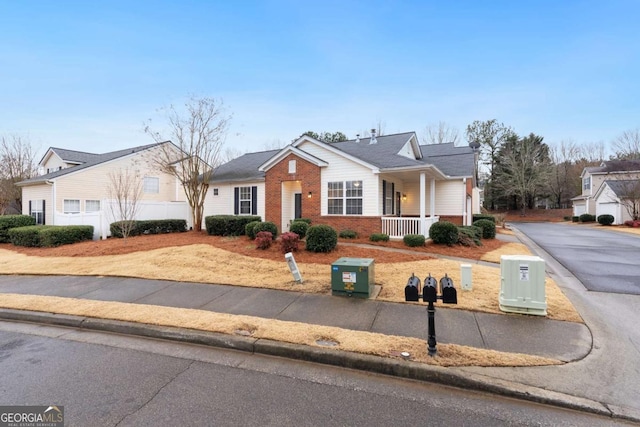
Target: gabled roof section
{"type": "Point", "coordinates": [69, 156]}
{"type": "Point", "coordinates": [243, 168]}
{"type": "Point", "coordinates": [90, 160]}
{"type": "Point", "coordinates": [385, 153]}
{"type": "Point", "coordinates": [622, 188]}
{"type": "Point", "coordinates": [613, 166]}
{"type": "Point", "coordinates": [292, 149]}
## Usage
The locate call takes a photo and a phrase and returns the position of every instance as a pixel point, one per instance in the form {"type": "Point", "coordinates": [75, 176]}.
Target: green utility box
{"type": "Point", "coordinates": [353, 277]}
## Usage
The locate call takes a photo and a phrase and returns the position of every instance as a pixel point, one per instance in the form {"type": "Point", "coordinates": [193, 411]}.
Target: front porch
{"type": "Point", "coordinates": [398, 227]}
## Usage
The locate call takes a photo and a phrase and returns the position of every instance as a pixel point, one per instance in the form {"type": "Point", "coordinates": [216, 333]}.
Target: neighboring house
{"type": "Point", "coordinates": [615, 197]}
{"type": "Point", "coordinates": [74, 189]}
{"type": "Point", "coordinates": [594, 176]}
{"type": "Point", "coordinates": [385, 184]}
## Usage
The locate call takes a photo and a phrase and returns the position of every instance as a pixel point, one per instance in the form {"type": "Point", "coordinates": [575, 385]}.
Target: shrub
{"type": "Point", "coordinates": [470, 235]}
{"type": "Point", "coordinates": [566, 218]}
{"type": "Point", "coordinates": [488, 228]}
{"type": "Point", "coordinates": [156, 226]}
{"type": "Point", "coordinates": [307, 220]}
{"type": "Point", "coordinates": [443, 233]}
{"type": "Point", "coordinates": [7, 222]}
{"type": "Point", "coordinates": [249, 229]}
{"type": "Point", "coordinates": [25, 236]}
{"type": "Point", "coordinates": [587, 217]}
{"type": "Point", "coordinates": [348, 234]}
{"type": "Point", "coordinates": [64, 235]}
{"type": "Point", "coordinates": [477, 217]}
{"type": "Point", "coordinates": [289, 242]}
{"type": "Point", "coordinates": [50, 235]}
{"type": "Point", "coordinates": [228, 225]}
{"type": "Point", "coordinates": [379, 237]}
{"type": "Point", "coordinates": [321, 238]}
{"type": "Point", "coordinates": [632, 223]}
{"type": "Point", "coordinates": [266, 226]}
{"type": "Point", "coordinates": [414, 240]}
{"type": "Point", "coordinates": [575, 218]}
{"type": "Point", "coordinates": [606, 219]}
{"type": "Point", "coordinates": [299, 227]}
{"type": "Point", "coordinates": [263, 240]}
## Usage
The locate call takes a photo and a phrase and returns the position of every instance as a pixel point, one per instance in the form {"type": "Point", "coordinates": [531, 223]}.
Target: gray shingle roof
{"type": "Point", "coordinates": [243, 168]}
{"type": "Point", "coordinates": [624, 187]}
{"type": "Point", "coordinates": [88, 159]}
{"type": "Point", "coordinates": [383, 154]}
{"type": "Point", "coordinates": [451, 160]}
{"type": "Point", "coordinates": [72, 156]}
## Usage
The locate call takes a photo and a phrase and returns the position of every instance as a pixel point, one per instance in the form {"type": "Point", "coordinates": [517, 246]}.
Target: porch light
{"type": "Point", "coordinates": [309, 194]}
{"type": "Point", "coordinates": [404, 196]}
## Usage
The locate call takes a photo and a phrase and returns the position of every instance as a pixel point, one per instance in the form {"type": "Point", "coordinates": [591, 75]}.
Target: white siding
{"type": "Point", "coordinates": [341, 169]}
{"type": "Point", "coordinates": [407, 151]}
{"type": "Point", "coordinates": [39, 192]}
{"type": "Point", "coordinates": [450, 198]}
{"type": "Point", "coordinates": [222, 204]}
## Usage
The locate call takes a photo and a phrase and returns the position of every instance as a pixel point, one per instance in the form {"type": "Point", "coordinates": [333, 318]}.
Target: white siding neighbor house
{"type": "Point", "coordinates": [386, 184]}
{"type": "Point", "coordinates": [594, 177]}
{"type": "Point", "coordinates": [74, 188]}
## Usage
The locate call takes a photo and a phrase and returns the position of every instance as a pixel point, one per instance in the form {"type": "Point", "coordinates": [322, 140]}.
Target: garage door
{"type": "Point", "coordinates": [579, 210]}
{"type": "Point", "coordinates": [608, 209]}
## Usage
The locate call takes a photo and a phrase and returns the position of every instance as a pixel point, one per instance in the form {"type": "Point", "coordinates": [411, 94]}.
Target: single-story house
{"type": "Point", "coordinates": [73, 188]}
{"type": "Point", "coordinates": [614, 197]}
{"type": "Point", "coordinates": [382, 184]}
{"type": "Point", "coordinates": [594, 176]}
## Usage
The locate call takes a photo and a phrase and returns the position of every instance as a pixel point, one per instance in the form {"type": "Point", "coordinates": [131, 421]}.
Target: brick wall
{"type": "Point", "coordinates": [363, 225]}
{"type": "Point", "coordinates": [457, 220]}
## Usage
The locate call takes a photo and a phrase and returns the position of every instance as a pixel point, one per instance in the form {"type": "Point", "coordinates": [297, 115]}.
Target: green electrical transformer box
{"type": "Point", "coordinates": [353, 277]}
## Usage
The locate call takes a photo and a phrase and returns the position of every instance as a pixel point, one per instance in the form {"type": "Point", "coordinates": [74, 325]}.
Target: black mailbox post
{"type": "Point", "coordinates": [430, 295]}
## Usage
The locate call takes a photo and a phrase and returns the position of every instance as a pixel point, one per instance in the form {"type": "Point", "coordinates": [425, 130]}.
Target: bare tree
{"type": "Point", "coordinates": [199, 132]}
{"type": "Point", "coordinates": [440, 133]}
{"type": "Point", "coordinates": [592, 153]}
{"type": "Point", "coordinates": [17, 163]}
{"type": "Point", "coordinates": [627, 144]}
{"type": "Point", "coordinates": [274, 144]}
{"type": "Point", "coordinates": [564, 179]}
{"type": "Point", "coordinates": [125, 191]}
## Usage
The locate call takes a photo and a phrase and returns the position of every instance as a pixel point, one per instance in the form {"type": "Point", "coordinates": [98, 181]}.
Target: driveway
{"type": "Point", "coordinates": [602, 259]}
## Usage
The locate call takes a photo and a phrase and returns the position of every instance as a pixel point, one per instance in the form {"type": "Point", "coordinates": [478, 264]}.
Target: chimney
{"type": "Point", "coordinates": [373, 137]}
{"type": "Point", "coordinates": [357, 137]}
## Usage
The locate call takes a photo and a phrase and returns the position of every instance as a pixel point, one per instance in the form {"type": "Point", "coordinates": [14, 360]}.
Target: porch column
{"type": "Point", "coordinates": [423, 221]}
{"type": "Point", "coordinates": [432, 198]}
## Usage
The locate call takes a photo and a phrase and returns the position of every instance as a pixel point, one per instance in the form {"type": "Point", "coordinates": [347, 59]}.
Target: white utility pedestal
{"type": "Point", "coordinates": [465, 277]}
{"type": "Point", "coordinates": [522, 288]}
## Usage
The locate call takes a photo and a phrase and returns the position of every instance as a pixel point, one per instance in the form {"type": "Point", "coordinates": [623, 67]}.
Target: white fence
{"type": "Point", "coordinates": [399, 227]}
{"type": "Point", "coordinates": [102, 219]}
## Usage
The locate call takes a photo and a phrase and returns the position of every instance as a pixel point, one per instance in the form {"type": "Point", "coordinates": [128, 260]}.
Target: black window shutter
{"type": "Point", "coordinates": [384, 197]}
{"type": "Point", "coordinates": [254, 200]}
{"type": "Point", "coordinates": [236, 200]}
{"type": "Point", "coordinates": [393, 198]}
{"type": "Point", "coordinates": [29, 207]}
{"type": "Point", "coordinates": [44, 212]}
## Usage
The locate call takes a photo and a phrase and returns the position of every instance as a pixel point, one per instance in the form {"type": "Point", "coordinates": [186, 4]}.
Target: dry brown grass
{"type": "Point", "coordinates": [291, 332]}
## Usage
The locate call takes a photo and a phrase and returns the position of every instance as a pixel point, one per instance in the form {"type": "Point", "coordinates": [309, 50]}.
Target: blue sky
{"type": "Point", "coordinates": [85, 75]}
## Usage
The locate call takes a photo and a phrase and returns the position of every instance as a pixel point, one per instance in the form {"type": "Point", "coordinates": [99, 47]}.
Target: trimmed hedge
{"type": "Point", "coordinates": [443, 233]}
{"type": "Point", "coordinates": [154, 226]}
{"type": "Point", "coordinates": [414, 240]}
{"type": "Point", "coordinates": [488, 228]}
{"type": "Point", "coordinates": [228, 225]}
{"type": "Point", "coordinates": [477, 217]}
{"type": "Point", "coordinates": [299, 227]}
{"type": "Point", "coordinates": [266, 226]}
{"type": "Point", "coordinates": [50, 235]}
{"type": "Point", "coordinates": [379, 237]}
{"type": "Point", "coordinates": [7, 222]}
{"type": "Point", "coordinates": [575, 218]}
{"type": "Point", "coordinates": [321, 238]}
{"type": "Point", "coordinates": [606, 219]}
{"type": "Point", "coordinates": [348, 234]}
{"type": "Point", "coordinates": [587, 217]}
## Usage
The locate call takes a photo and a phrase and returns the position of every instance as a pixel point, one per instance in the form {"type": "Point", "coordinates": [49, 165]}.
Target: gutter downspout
{"type": "Point", "coordinates": [465, 220]}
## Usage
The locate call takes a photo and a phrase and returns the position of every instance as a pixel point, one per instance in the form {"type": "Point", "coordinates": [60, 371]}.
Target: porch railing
{"type": "Point", "coordinates": [401, 226]}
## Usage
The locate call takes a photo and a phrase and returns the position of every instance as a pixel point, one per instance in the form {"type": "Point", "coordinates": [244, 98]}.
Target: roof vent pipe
{"type": "Point", "coordinates": [373, 137]}
{"type": "Point", "coordinates": [357, 137]}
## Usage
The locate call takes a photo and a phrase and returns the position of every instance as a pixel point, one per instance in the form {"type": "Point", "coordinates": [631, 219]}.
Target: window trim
{"type": "Point", "coordinates": [86, 209]}
{"type": "Point", "coordinates": [38, 214]}
{"type": "Point", "coordinates": [340, 195]}
{"type": "Point", "coordinates": [586, 183]}
{"type": "Point", "coordinates": [147, 188]}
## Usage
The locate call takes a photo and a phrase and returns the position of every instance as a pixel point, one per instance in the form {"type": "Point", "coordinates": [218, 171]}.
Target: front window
{"type": "Point", "coordinates": [151, 185]}
{"type": "Point", "coordinates": [71, 206]}
{"type": "Point", "coordinates": [37, 211]}
{"type": "Point", "coordinates": [92, 205]}
{"type": "Point", "coordinates": [586, 183]}
{"type": "Point", "coordinates": [344, 198]}
{"type": "Point", "coordinates": [245, 200]}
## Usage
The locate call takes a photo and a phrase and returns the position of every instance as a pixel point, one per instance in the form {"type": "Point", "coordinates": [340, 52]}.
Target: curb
{"type": "Point", "coordinates": [380, 365]}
